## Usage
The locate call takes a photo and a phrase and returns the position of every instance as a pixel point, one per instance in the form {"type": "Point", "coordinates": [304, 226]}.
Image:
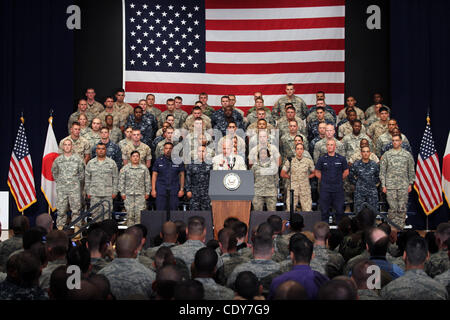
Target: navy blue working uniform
{"type": "Point", "coordinates": [168, 179]}
{"type": "Point", "coordinates": [331, 185]}
{"type": "Point", "coordinates": [365, 177]}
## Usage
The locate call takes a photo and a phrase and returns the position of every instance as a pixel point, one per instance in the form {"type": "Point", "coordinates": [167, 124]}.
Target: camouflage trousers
{"type": "Point", "coordinates": [271, 203]}
{"type": "Point", "coordinates": [302, 194]}
{"type": "Point", "coordinates": [348, 191]}
{"type": "Point", "coordinates": [98, 210]}
{"type": "Point", "coordinates": [64, 200]}
{"type": "Point", "coordinates": [134, 204]}
{"type": "Point", "coordinates": [365, 196]}
{"type": "Point", "coordinates": [398, 201]}
{"type": "Point", "coordinates": [200, 200]}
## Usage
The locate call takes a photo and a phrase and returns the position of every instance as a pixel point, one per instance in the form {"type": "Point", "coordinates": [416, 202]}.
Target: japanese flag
{"type": "Point", "coordinates": [446, 172]}
{"type": "Point", "coordinates": [48, 184]}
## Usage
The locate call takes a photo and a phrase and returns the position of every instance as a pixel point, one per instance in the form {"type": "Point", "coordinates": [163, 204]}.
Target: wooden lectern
{"type": "Point", "coordinates": [231, 193]}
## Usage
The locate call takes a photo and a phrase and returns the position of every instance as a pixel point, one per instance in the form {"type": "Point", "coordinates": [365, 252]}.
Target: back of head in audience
{"type": "Point", "coordinates": [335, 239]}
{"type": "Point", "coordinates": [196, 228]}
{"type": "Point", "coordinates": [24, 268]}
{"type": "Point", "coordinates": [263, 246]}
{"type": "Point", "coordinates": [167, 278]}
{"type": "Point", "coordinates": [189, 290]}
{"type": "Point", "coordinates": [80, 256]}
{"type": "Point", "coordinates": [127, 246]}
{"type": "Point", "coordinates": [321, 232]}
{"type": "Point", "coordinates": [227, 240]}
{"type": "Point", "coordinates": [20, 225]}
{"type": "Point", "coordinates": [138, 234]}
{"type": "Point", "coordinates": [377, 242]}
{"type": "Point", "coordinates": [265, 229]}
{"type": "Point", "coordinates": [365, 218]}
{"type": "Point", "coordinates": [58, 284]}
{"type": "Point", "coordinates": [296, 223]}
{"type": "Point", "coordinates": [57, 244]}
{"type": "Point", "coordinates": [101, 282]}
{"type": "Point", "coordinates": [403, 239]}
{"type": "Point", "coordinates": [228, 223]}
{"type": "Point", "coordinates": [213, 244]}
{"type": "Point", "coordinates": [97, 242]}
{"type": "Point", "coordinates": [247, 285]}
{"type": "Point", "coordinates": [276, 223]}
{"type": "Point", "coordinates": [87, 291]}
{"type": "Point", "coordinates": [111, 227]}
{"type": "Point", "coordinates": [32, 236]}
{"type": "Point", "coordinates": [337, 289]}
{"type": "Point", "coordinates": [433, 247]}
{"type": "Point", "coordinates": [169, 232]}
{"type": "Point", "coordinates": [163, 257]}
{"type": "Point", "coordinates": [360, 273]}
{"type": "Point", "coordinates": [240, 229]}
{"type": "Point", "coordinates": [442, 234]}
{"type": "Point", "coordinates": [345, 226]}
{"type": "Point", "coordinates": [290, 290]}
{"type": "Point", "coordinates": [205, 263]}
{"type": "Point", "coordinates": [301, 249]}
{"type": "Point", "coordinates": [181, 231]}
{"type": "Point", "coordinates": [39, 250]}
{"type": "Point", "coordinates": [45, 221]}
{"type": "Point", "coordinates": [416, 252]}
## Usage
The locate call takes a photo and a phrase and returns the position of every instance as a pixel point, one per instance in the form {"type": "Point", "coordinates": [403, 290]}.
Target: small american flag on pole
{"type": "Point", "coordinates": [221, 47]}
{"type": "Point", "coordinates": [20, 176]}
{"type": "Point", "coordinates": [428, 174]}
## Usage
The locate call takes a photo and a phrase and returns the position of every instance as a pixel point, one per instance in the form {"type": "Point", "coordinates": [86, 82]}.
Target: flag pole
{"type": "Point", "coordinates": [428, 123]}
{"type": "Point", "coordinates": [50, 120]}
{"type": "Point", "coordinates": [22, 119]}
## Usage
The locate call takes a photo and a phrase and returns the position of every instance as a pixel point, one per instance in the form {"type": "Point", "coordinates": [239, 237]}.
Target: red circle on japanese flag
{"type": "Point", "coordinates": [47, 163]}
{"type": "Point", "coordinates": [446, 167]}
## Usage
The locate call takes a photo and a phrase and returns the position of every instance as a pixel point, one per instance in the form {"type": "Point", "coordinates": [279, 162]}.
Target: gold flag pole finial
{"type": "Point", "coordinates": [50, 120]}
{"type": "Point", "coordinates": [428, 119]}
{"type": "Point", "coordinates": [22, 118]}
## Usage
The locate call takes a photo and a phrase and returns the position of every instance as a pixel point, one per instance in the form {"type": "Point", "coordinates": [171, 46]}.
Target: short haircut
{"type": "Point", "coordinates": [58, 283]}
{"type": "Point", "coordinates": [263, 244]}
{"type": "Point", "coordinates": [80, 257]}
{"type": "Point", "coordinates": [170, 115]}
{"type": "Point", "coordinates": [28, 268]}
{"type": "Point", "coordinates": [189, 290]}
{"type": "Point", "coordinates": [383, 109]}
{"type": "Point", "coordinates": [360, 274]}
{"type": "Point", "coordinates": [150, 94]}
{"type": "Point", "coordinates": [290, 290]}
{"type": "Point", "coordinates": [205, 261]}
{"type": "Point", "coordinates": [337, 289]}
{"type": "Point", "coordinates": [20, 224]}
{"type": "Point", "coordinates": [240, 229]}
{"type": "Point", "coordinates": [110, 226]}
{"type": "Point", "coordinates": [443, 231]}
{"type": "Point", "coordinates": [320, 108]}
{"type": "Point", "coordinates": [416, 251]}
{"type": "Point", "coordinates": [119, 90]}
{"type": "Point", "coordinates": [290, 108]}
{"type": "Point", "coordinates": [196, 225]}
{"type": "Point", "coordinates": [170, 100]}
{"type": "Point", "coordinates": [357, 121]}
{"type": "Point", "coordinates": [163, 257]}
{"type": "Point", "coordinates": [196, 107]}
{"type": "Point", "coordinates": [379, 247]}
{"type": "Point", "coordinates": [247, 285]}
{"type": "Point", "coordinates": [167, 278]}
{"type": "Point", "coordinates": [275, 222]}
{"type": "Point", "coordinates": [384, 226]}
{"type": "Point", "coordinates": [58, 241]}
{"type": "Point", "coordinates": [296, 222]}
{"type": "Point", "coordinates": [321, 231]}
{"type": "Point", "coordinates": [97, 239]}
{"type": "Point", "coordinates": [138, 108]}
{"type": "Point", "coordinates": [137, 232]}
{"type": "Point", "coordinates": [143, 229]}
{"type": "Point", "coordinates": [265, 229]}
{"type": "Point", "coordinates": [365, 218]}
{"type": "Point", "coordinates": [168, 143]}
{"type": "Point", "coordinates": [101, 282]}
{"type": "Point", "coordinates": [178, 98]}
{"type": "Point", "coordinates": [32, 236]}
{"type": "Point", "coordinates": [126, 244]}
{"type": "Point", "coordinates": [134, 152]}
{"type": "Point", "coordinates": [229, 221]}
{"type": "Point", "coordinates": [302, 248]}
{"type": "Point", "coordinates": [224, 97]}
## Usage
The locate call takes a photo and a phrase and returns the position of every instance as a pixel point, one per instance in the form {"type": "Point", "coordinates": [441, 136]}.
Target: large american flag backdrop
{"type": "Point", "coordinates": [234, 47]}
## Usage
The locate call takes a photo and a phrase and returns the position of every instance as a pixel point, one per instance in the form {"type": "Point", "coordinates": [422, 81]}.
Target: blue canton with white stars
{"type": "Point", "coordinates": [21, 146]}
{"type": "Point", "coordinates": [165, 36]}
{"type": "Point", "coordinates": [427, 148]}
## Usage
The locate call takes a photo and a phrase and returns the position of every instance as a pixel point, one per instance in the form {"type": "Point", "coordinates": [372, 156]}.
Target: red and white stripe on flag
{"type": "Point", "coordinates": [20, 176]}
{"type": "Point", "coordinates": [446, 171]}
{"type": "Point", "coordinates": [48, 184]}
{"type": "Point", "coordinates": [428, 174]}
{"type": "Point", "coordinates": [251, 46]}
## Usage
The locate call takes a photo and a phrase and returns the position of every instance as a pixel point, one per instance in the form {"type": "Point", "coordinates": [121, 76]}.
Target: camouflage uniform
{"type": "Point", "coordinates": [214, 291]}
{"type": "Point", "coordinates": [313, 127]}
{"type": "Point", "coordinates": [330, 114]}
{"type": "Point", "coordinates": [266, 183]}
{"type": "Point", "coordinates": [253, 153]}
{"type": "Point", "coordinates": [147, 126]}
{"type": "Point", "coordinates": [444, 279]}
{"type": "Point", "coordinates": [207, 110]}
{"type": "Point", "coordinates": [327, 262]}
{"type": "Point", "coordinates": [299, 104]}
{"type": "Point", "coordinates": [370, 111]}
{"type": "Point", "coordinates": [287, 146]}
{"type": "Point", "coordinates": [357, 156]}
{"type": "Point", "coordinates": [115, 135]}
{"type": "Point", "coordinates": [197, 182]}
{"type": "Point", "coordinates": [142, 148]}
{"type": "Point", "coordinates": [118, 120]}
{"type": "Point", "coordinates": [359, 114]}
{"type": "Point", "coordinates": [396, 174]}
{"type": "Point", "coordinates": [301, 169]}
{"type": "Point", "coordinates": [251, 129]}
{"type": "Point", "coordinates": [230, 262]}
{"type": "Point", "coordinates": [368, 294]}
{"type": "Point", "coordinates": [219, 122]}
{"type": "Point", "coordinates": [352, 144]}
{"type": "Point", "coordinates": [92, 137]}
{"type": "Point", "coordinates": [101, 183]}
{"type": "Point", "coordinates": [96, 108]}
{"type": "Point", "coordinates": [313, 143]}
{"type": "Point", "coordinates": [438, 263]}
{"type": "Point", "coordinates": [186, 252]}
{"type": "Point", "coordinates": [321, 148]}
{"type": "Point", "coordinates": [376, 130]}
{"type": "Point", "coordinates": [135, 184]}
{"type": "Point", "coordinates": [365, 177]}
{"type": "Point", "coordinates": [252, 116]}
{"type": "Point", "coordinates": [128, 277]}
{"type": "Point", "coordinates": [150, 252]}
{"type": "Point", "coordinates": [7, 247]}
{"type": "Point", "coordinates": [283, 244]}
{"type": "Point", "coordinates": [159, 150]}
{"type": "Point", "coordinates": [124, 109]}
{"type": "Point", "coordinates": [81, 146]}
{"type": "Point", "coordinates": [11, 291]}
{"type": "Point", "coordinates": [123, 142]}
{"type": "Point", "coordinates": [389, 146]}
{"type": "Point", "coordinates": [112, 151]}
{"type": "Point", "coordinates": [44, 279]}
{"type": "Point", "coordinates": [283, 126]}
{"type": "Point", "coordinates": [264, 270]}
{"type": "Point", "coordinates": [414, 285]}
{"type": "Point", "coordinates": [98, 264]}
{"type": "Point", "coordinates": [153, 111]}
{"type": "Point", "coordinates": [189, 123]}
{"type": "Point", "coordinates": [177, 114]}
{"type": "Point", "coordinates": [384, 140]}
{"type": "Point", "coordinates": [346, 129]}
{"type": "Point", "coordinates": [74, 118]}
{"type": "Point", "coordinates": [68, 173]}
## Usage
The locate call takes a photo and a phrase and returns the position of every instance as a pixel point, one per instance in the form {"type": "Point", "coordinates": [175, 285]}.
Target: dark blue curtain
{"type": "Point", "coordinates": [37, 74]}
{"type": "Point", "coordinates": [420, 65]}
